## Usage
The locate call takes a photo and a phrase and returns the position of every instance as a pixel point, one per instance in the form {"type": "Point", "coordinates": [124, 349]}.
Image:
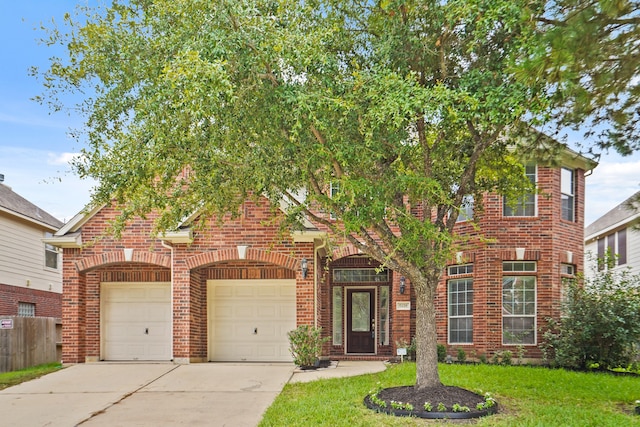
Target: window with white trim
{"type": "Point", "coordinates": [333, 192]}
{"type": "Point", "coordinates": [518, 303]}
{"type": "Point", "coordinates": [466, 209]}
{"type": "Point", "coordinates": [26, 309]}
{"type": "Point", "coordinates": [50, 254]}
{"type": "Point", "coordinates": [567, 190]}
{"type": "Point", "coordinates": [460, 292]}
{"type": "Point", "coordinates": [455, 270]}
{"type": "Point", "coordinates": [612, 250]}
{"type": "Point", "coordinates": [525, 205]}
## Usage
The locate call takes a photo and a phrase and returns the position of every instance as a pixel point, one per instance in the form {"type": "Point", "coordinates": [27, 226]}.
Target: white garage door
{"type": "Point", "coordinates": [249, 319]}
{"type": "Point", "coordinates": [136, 321]}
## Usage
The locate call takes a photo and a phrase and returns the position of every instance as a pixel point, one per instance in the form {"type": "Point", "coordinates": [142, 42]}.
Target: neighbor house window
{"type": "Point", "coordinates": [567, 188]}
{"type": "Point", "coordinates": [612, 250]}
{"type": "Point", "coordinates": [518, 303]}
{"type": "Point", "coordinates": [525, 205]}
{"type": "Point", "coordinates": [50, 255]}
{"type": "Point", "coordinates": [26, 309]}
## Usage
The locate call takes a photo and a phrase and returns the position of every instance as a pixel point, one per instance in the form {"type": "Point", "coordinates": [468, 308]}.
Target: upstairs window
{"type": "Point", "coordinates": [567, 188]}
{"type": "Point", "coordinates": [612, 250]}
{"type": "Point", "coordinates": [334, 190]}
{"type": "Point", "coordinates": [466, 209]}
{"type": "Point", "coordinates": [525, 205]}
{"type": "Point", "coordinates": [50, 255]}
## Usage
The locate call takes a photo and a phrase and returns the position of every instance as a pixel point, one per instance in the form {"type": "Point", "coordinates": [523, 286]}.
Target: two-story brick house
{"type": "Point", "coordinates": [232, 292]}
{"type": "Point", "coordinates": [30, 270]}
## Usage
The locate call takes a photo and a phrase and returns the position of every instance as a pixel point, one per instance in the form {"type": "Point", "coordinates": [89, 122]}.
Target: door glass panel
{"type": "Point", "coordinates": [360, 312]}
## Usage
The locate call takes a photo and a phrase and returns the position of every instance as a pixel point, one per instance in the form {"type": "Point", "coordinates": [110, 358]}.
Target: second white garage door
{"type": "Point", "coordinates": [249, 319]}
{"type": "Point", "coordinates": [136, 321]}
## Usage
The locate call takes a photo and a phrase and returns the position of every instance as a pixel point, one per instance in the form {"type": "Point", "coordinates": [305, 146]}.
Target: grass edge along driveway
{"type": "Point", "coordinates": [528, 396]}
{"type": "Point", "coordinates": [8, 379]}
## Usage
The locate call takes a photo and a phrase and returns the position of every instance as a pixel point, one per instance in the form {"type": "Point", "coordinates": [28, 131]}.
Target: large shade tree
{"type": "Point", "coordinates": [405, 107]}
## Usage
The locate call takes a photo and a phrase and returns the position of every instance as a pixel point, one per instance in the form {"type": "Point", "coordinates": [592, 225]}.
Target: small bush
{"type": "Point", "coordinates": [600, 323]}
{"type": "Point", "coordinates": [507, 358]}
{"type": "Point", "coordinates": [306, 344]}
{"type": "Point", "coordinates": [442, 353]}
{"type": "Point", "coordinates": [462, 355]}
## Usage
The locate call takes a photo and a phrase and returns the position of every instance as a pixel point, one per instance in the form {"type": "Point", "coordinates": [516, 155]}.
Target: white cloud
{"type": "Point", "coordinates": [610, 184]}
{"type": "Point", "coordinates": [61, 158]}
{"type": "Point", "coordinates": [45, 179]}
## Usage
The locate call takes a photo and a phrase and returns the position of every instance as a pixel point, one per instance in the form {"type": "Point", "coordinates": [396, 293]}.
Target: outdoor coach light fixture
{"type": "Point", "coordinates": [305, 267]}
{"type": "Point", "coordinates": [403, 285]}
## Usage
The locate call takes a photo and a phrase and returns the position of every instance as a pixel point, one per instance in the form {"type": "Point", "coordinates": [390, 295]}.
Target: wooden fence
{"type": "Point", "coordinates": [29, 341]}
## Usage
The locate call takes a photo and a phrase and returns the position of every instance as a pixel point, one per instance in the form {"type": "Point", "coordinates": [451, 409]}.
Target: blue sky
{"type": "Point", "coordinates": [35, 148]}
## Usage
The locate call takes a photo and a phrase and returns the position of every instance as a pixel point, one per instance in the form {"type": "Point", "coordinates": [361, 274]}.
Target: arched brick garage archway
{"type": "Point", "coordinates": [251, 303]}
{"type": "Point", "coordinates": [120, 288]}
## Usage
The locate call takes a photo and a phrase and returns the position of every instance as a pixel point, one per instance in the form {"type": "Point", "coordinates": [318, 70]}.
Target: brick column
{"type": "Point", "coordinates": [73, 312]}
{"type": "Point", "coordinates": [182, 306]}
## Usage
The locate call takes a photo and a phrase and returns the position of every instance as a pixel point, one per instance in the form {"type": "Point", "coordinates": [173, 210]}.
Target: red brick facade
{"type": "Point", "coordinates": [219, 253]}
{"type": "Point", "coordinates": [47, 304]}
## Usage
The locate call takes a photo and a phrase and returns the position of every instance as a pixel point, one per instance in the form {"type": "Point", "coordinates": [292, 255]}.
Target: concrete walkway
{"type": "Point", "coordinates": [158, 394]}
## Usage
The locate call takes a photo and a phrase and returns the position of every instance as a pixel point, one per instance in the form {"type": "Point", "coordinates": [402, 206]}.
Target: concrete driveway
{"type": "Point", "coordinates": [146, 394]}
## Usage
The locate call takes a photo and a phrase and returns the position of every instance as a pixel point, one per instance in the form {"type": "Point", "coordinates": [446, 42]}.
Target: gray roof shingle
{"type": "Point", "coordinates": [13, 202]}
{"type": "Point", "coordinates": [616, 215]}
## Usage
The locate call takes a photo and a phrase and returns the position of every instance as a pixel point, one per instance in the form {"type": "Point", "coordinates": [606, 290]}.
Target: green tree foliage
{"type": "Point", "coordinates": [590, 54]}
{"type": "Point", "coordinates": [600, 322]}
{"type": "Point", "coordinates": [404, 106]}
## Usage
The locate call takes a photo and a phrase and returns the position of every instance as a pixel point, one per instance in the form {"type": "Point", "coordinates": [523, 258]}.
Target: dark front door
{"type": "Point", "coordinates": [361, 330]}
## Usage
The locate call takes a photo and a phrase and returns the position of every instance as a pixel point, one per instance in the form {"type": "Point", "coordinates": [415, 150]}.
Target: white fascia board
{"type": "Point", "coordinates": [308, 236]}
{"type": "Point", "coordinates": [78, 221]}
{"type": "Point", "coordinates": [73, 240]}
{"type": "Point", "coordinates": [182, 236]}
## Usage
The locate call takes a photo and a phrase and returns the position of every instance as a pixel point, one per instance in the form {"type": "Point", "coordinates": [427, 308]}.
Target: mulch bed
{"type": "Point", "coordinates": [447, 395]}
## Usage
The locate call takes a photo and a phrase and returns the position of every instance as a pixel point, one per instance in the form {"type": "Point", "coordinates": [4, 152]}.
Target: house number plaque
{"type": "Point", "coordinates": [403, 305]}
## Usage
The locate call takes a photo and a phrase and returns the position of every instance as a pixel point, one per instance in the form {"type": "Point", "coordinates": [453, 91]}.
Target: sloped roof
{"type": "Point", "coordinates": [624, 213]}
{"type": "Point", "coordinates": [15, 204]}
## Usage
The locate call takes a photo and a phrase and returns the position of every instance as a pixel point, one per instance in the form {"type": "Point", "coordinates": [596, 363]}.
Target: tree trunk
{"type": "Point", "coordinates": [426, 334]}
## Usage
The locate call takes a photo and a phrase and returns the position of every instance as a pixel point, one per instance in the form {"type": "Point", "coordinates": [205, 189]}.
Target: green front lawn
{"type": "Point", "coordinates": [8, 379]}
{"type": "Point", "coordinates": [527, 396]}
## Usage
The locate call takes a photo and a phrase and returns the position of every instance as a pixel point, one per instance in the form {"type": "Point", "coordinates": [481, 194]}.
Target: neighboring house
{"type": "Point", "coordinates": [30, 270]}
{"type": "Point", "coordinates": [616, 233]}
{"type": "Point", "coordinates": [231, 293]}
